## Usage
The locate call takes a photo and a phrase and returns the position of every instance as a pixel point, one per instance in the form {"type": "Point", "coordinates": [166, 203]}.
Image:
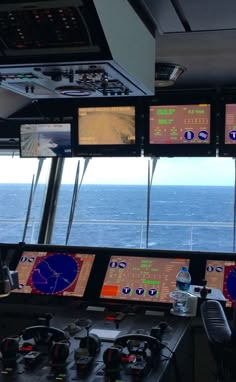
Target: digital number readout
{"type": "Point", "coordinates": [141, 278]}
{"type": "Point", "coordinates": [179, 124]}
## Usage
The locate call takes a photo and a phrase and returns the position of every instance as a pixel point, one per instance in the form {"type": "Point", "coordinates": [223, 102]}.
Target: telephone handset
{"type": "Point", "coordinates": [153, 343]}
{"type": "Point", "coordinates": [41, 333]}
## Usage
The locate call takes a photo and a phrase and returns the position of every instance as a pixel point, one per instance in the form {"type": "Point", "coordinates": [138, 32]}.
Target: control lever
{"type": "Point", "coordinates": [9, 347]}
{"type": "Point", "coordinates": [153, 343]}
{"type": "Point", "coordinates": [45, 319]}
{"type": "Point", "coordinates": [58, 354]}
{"type": "Point", "coordinates": [88, 348]}
{"type": "Point", "coordinates": [43, 334]}
{"type": "Point", "coordinates": [112, 358]}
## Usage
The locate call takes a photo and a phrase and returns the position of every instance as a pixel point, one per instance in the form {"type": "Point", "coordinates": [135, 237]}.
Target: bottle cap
{"type": "Point", "coordinates": [184, 268]}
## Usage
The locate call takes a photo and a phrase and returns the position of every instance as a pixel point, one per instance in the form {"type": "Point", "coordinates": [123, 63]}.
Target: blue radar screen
{"type": "Point", "coordinates": [55, 273]}
{"type": "Point", "coordinates": [231, 284]}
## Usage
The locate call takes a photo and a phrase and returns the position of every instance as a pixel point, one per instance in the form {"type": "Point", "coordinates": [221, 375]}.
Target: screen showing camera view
{"type": "Point", "coordinates": [45, 140]}
{"type": "Point", "coordinates": [114, 125]}
{"type": "Point", "coordinates": [179, 124]}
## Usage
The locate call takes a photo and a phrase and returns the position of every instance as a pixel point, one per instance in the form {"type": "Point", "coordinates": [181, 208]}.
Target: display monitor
{"type": "Point", "coordinates": [54, 273]}
{"type": "Point", "coordinates": [179, 129]}
{"type": "Point", "coordinates": [144, 279]}
{"type": "Point", "coordinates": [45, 140]}
{"type": "Point", "coordinates": [108, 130]}
{"type": "Point", "coordinates": [221, 274]}
{"type": "Point", "coordinates": [230, 124]}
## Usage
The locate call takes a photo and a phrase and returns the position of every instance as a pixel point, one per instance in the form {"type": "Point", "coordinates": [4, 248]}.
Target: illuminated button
{"type": "Point", "coordinates": [113, 264]}
{"type": "Point", "coordinates": [152, 292]}
{"type": "Point", "coordinates": [232, 135]}
{"type": "Point", "coordinates": [139, 291]}
{"type": "Point", "coordinates": [126, 290]}
{"type": "Point", "coordinates": [203, 135]}
{"type": "Point", "coordinates": [189, 135]}
{"type": "Point", "coordinates": [122, 264]}
{"type": "Point", "coordinates": [210, 268]}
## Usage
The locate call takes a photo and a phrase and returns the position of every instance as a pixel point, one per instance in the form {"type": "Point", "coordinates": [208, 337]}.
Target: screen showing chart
{"type": "Point", "coordinates": [45, 140]}
{"type": "Point", "coordinates": [221, 274]}
{"type": "Point", "coordinates": [112, 125]}
{"type": "Point", "coordinates": [52, 273]}
{"type": "Point", "coordinates": [230, 124]}
{"type": "Point", "coordinates": [179, 124]}
{"type": "Point", "coordinates": [143, 279]}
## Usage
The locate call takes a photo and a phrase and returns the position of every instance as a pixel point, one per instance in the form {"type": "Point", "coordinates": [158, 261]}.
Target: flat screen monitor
{"type": "Point", "coordinates": [43, 140]}
{"type": "Point", "coordinates": [227, 141]}
{"type": "Point", "coordinates": [144, 279]}
{"type": "Point", "coordinates": [179, 130]}
{"type": "Point", "coordinates": [108, 130]}
{"type": "Point", "coordinates": [230, 124]}
{"type": "Point", "coordinates": [221, 274]}
{"type": "Point", "coordinates": [54, 273]}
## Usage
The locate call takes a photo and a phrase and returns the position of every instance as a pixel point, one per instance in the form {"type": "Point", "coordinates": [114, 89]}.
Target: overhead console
{"type": "Point", "coordinates": [76, 48]}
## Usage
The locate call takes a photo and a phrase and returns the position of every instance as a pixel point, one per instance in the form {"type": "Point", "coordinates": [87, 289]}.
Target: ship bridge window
{"type": "Point", "coordinates": [166, 203]}
{"type": "Point", "coordinates": [22, 193]}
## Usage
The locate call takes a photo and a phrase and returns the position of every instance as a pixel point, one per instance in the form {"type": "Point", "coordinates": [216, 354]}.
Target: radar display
{"type": "Point", "coordinates": [221, 274]}
{"type": "Point", "coordinates": [51, 273]}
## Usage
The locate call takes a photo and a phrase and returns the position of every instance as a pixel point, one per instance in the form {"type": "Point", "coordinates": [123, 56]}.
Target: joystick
{"type": "Point", "coordinates": [112, 358]}
{"type": "Point", "coordinates": [58, 354]}
{"type": "Point", "coordinates": [204, 291]}
{"type": "Point", "coordinates": [88, 348]}
{"type": "Point", "coordinates": [9, 347]}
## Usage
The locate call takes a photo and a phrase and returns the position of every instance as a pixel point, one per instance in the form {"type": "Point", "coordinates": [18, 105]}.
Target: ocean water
{"type": "Point", "coordinates": [198, 218]}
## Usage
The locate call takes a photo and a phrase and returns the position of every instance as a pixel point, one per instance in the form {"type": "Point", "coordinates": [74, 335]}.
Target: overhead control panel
{"type": "Point", "coordinates": [66, 48]}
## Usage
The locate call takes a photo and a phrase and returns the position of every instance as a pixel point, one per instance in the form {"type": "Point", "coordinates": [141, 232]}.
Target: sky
{"type": "Point", "coordinates": [169, 171]}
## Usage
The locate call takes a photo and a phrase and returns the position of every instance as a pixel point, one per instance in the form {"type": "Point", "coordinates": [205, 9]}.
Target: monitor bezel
{"type": "Point", "coordinates": [220, 256]}
{"type": "Point", "coordinates": [225, 149]}
{"type": "Point", "coordinates": [46, 121]}
{"type": "Point", "coordinates": [111, 150]}
{"type": "Point", "coordinates": [35, 298]}
{"type": "Point", "coordinates": [181, 150]}
{"type": "Point", "coordinates": [148, 254]}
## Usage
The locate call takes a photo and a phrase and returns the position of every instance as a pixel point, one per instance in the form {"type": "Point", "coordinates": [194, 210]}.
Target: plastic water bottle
{"type": "Point", "coordinates": [183, 279]}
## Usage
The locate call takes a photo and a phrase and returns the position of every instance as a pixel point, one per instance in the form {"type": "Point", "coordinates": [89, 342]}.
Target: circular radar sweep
{"type": "Point", "coordinates": [55, 273]}
{"type": "Point", "coordinates": [231, 284]}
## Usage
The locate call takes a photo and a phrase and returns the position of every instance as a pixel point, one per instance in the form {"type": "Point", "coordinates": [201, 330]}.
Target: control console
{"type": "Point", "coordinates": [95, 346]}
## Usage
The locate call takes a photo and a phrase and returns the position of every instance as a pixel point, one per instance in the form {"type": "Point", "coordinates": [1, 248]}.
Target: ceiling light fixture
{"type": "Point", "coordinates": [166, 74]}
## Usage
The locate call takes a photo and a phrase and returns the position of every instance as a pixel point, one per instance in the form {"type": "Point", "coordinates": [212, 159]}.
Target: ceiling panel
{"type": "Point", "coordinates": [165, 16]}
{"type": "Point", "coordinates": [209, 14]}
